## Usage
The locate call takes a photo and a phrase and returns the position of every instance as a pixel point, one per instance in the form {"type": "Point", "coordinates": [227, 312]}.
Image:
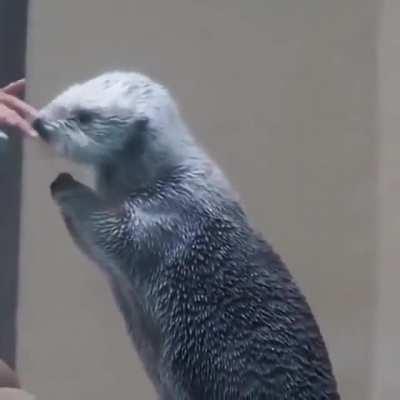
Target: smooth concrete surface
{"type": "Point", "coordinates": [284, 94]}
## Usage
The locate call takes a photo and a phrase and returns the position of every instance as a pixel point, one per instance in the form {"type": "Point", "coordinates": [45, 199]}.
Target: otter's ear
{"type": "Point", "coordinates": [135, 141]}
{"type": "Point", "coordinates": [140, 125]}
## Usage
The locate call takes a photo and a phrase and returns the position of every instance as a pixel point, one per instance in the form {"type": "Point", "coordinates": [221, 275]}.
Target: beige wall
{"type": "Point", "coordinates": [387, 371]}
{"type": "Point", "coordinates": [284, 93]}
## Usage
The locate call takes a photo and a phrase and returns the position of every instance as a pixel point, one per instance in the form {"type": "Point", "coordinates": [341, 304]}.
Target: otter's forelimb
{"type": "Point", "coordinates": [81, 208]}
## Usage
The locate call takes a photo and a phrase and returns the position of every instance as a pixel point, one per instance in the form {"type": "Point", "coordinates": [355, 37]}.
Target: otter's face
{"type": "Point", "coordinates": [93, 121]}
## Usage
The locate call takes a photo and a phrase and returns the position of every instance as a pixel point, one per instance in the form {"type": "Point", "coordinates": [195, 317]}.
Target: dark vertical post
{"type": "Point", "coordinates": [13, 24]}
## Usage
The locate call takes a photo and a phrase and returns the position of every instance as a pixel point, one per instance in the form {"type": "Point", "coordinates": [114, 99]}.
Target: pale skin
{"type": "Point", "coordinates": [9, 385]}
{"type": "Point", "coordinates": [14, 112]}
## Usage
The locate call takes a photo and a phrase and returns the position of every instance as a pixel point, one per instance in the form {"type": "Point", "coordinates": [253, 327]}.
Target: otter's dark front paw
{"type": "Point", "coordinates": [72, 196]}
{"type": "Point", "coordinates": [63, 182]}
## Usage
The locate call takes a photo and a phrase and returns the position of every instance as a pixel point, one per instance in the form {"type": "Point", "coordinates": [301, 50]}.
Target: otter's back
{"type": "Point", "coordinates": [234, 324]}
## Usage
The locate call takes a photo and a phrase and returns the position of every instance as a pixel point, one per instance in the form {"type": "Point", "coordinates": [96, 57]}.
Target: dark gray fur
{"type": "Point", "coordinates": [212, 310]}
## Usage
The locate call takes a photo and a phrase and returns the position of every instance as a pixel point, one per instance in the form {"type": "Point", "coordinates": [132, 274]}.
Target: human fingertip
{"type": "Point", "coordinates": [33, 133]}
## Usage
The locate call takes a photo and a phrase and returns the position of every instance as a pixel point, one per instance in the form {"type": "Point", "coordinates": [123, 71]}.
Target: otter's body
{"type": "Point", "coordinates": [212, 310]}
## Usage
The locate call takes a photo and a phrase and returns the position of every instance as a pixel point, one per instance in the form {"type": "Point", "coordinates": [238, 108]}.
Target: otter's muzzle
{"type": "Point", "coordinates": [41, 127]}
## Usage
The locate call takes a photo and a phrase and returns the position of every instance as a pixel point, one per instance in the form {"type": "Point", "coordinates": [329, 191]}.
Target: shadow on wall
{"type": "Point", "coordinates": [12, 66]}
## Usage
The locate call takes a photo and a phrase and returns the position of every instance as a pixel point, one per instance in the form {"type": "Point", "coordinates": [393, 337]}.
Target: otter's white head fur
{"type": "Point", "coordinates": [93, 122]}
{"type": "Point", "coordinates": [128, 128]}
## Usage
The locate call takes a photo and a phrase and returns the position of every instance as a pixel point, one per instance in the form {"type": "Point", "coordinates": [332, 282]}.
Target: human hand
{"type": "Point", "coordinates": [9, 385]}
{"type": "Point", "coordinates": [14, 112]}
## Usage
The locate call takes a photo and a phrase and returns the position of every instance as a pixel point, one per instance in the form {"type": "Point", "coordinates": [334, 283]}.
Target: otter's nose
{"type": "Point", "coordinates": [40, 126]}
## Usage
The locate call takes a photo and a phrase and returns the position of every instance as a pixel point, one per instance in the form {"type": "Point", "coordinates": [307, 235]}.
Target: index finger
{"type": "Point", "coordinates": [21, 107]}
{"type": "Point", "coordinates": [16, 88]}
{"type": "Point", "coordinates": [10, 118]}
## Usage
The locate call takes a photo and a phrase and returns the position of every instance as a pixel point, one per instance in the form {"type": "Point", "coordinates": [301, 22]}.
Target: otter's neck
{"type": "Point", "coordinates": [147, 163]}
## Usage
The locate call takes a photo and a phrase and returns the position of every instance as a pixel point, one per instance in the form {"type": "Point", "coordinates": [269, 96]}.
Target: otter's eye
{"type": "Point", "coordinates": [84, 117]}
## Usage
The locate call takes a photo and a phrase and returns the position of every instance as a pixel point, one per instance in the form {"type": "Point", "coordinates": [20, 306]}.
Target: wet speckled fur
{"type": "Point", "coordinates": [212, 310]}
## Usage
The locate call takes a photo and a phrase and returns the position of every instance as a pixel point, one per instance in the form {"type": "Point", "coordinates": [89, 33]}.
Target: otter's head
{"type": "Point", "coordinates": [96, 121]}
